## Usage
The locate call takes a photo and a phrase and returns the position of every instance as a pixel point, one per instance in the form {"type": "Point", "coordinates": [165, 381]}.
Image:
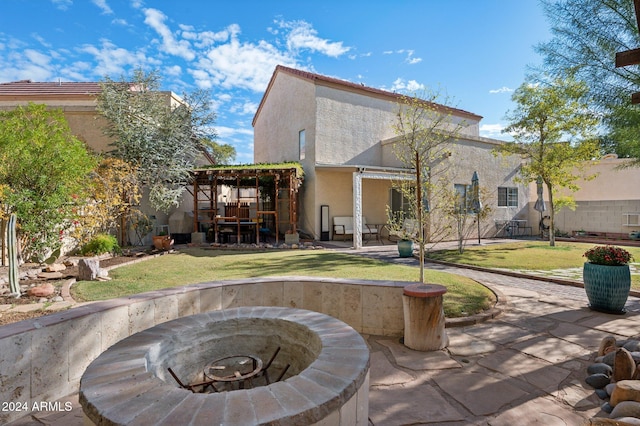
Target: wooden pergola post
{"type": "Point", "coordinates": [631, 57]}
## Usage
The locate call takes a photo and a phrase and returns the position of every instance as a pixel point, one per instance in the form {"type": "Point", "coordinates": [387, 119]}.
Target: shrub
{"type": "Point", "coordinates": [101, 244]}
{"type": "Point", "coordinates": [608, 255]}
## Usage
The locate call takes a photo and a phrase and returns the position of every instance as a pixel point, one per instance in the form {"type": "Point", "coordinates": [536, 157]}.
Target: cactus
{"type": "Point", "coordinates": [12, 243]}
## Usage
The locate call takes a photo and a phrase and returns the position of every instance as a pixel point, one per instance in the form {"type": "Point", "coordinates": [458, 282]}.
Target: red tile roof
{"type": "Point", "coordinates": [349, 86]}
{"type": "Point", "coordinates": [29, 88]}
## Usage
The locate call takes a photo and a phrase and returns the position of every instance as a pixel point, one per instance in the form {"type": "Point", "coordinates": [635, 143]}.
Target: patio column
{"type": "Point", "coordinates": [357, 197]}
{"type": "Point", "coordinates": [357, 209]}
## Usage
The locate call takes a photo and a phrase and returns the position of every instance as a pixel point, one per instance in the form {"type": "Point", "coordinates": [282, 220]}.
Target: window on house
{"type": "Point", "coordinates": [400, 206]}
{"type": "Point", "coordinates": [301, 143]}
{"type": "Point", "coordinates": [463, 197]}
{"type": "Point", "coordinates": [507, 197]}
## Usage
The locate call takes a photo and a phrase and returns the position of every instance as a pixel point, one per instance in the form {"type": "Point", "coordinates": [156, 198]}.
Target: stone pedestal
{"type": "Point", "coordinates": [424, 319]}
{"type": "Point", "coordinates": [198, 238]}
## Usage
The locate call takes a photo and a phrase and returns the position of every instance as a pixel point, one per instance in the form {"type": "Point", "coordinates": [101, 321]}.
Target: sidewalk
{"type": "Point", "coordinates": [525, 367]}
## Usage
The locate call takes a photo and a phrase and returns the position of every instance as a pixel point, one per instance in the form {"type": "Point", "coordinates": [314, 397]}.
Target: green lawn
{"type": "Point", "coordinates": [464, 296]}
{"type": "Point", "coordinates": [529, 255]}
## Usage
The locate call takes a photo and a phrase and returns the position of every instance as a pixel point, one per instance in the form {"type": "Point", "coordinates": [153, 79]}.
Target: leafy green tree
{"type": "Point", "coordinates": [426, 131]}
{"type": "Point", "coordinates": [160, 136]}
{"type": "Point", "coordinates": [554, 132]}
{"type": "Point", "coordinates": [587, 34]}
{"type": "Point", "coordinates": [222, 153]}
{"type": "Point", "coordinates": [43, 174]}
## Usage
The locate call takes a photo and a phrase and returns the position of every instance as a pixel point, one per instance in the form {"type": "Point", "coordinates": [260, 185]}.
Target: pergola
{"type": "Point", "coordinates": [272, 204]}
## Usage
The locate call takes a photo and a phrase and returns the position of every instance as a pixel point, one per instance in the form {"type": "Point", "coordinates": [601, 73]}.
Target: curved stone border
{"type": "Point", "coordinates": [117, 387]}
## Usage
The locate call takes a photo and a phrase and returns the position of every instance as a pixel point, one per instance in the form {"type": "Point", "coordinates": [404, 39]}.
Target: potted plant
{"type": "Point", "coordinates": [404, 230]}
{"type": "Point", "coordinates": [607, 278]}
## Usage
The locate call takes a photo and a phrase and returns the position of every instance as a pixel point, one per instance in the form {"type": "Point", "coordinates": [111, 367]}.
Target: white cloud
{"type": "Point", "coordinates": [400, 85]}
{"type": "Point", "coordinates": [174, 70]}
{"type": "Point", "coordinates": [239, 65]}
{"type": "Point", "coordinates": [410, 59]}
{"type": "Point", "coordinates": [503, 89]}
{"type": "Point", "coordinates": [102, 4]}
{"type": "Point", "coordinates": [114, 61]}
{"type": "Point", "coordinates": [209, 38]}
{"type": "Point", "coordinates": [182, 48]}
{"type": "Point", "coordinates": [491, 130]}
{"type": "Point", "coordinates": [62, 4]}
{"type": "Point", "coordinates": [41, 40]}
{"type": "Point", "coordinates": [227, 132]}
{"type": "Point", "coordinates": [302, 36]}
{"type": "Point", "coordinates": [244, 108]}
{"type": "Point", "coordinates": [121, 22]}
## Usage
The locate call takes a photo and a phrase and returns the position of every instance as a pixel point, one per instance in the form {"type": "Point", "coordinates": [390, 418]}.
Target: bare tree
{"type": "Point", "coordinates": [426, 131]}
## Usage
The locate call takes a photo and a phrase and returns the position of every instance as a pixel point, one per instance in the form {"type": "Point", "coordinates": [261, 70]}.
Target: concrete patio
{"type": "Point", "coordinates": [525, 367]}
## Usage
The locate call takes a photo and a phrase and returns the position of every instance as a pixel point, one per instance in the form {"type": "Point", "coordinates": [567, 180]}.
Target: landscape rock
{"type": "Point", "coordinates": [606, 407]}
{"type": "Point", "coordinates": [626, 409]}
{"type": "Point", "coordinates": [628, 420]}
{"type": "Point", "coordinates": [600, 367]}
{"type": "Point", "coordinates": [606, 345]}
{"type": "Point", "coordinates": [609, 388]}
{"type": "Point", "coordinates": [50, 275]}
{"type": "Point", "coordinates": [600, 421]}
{"type": "Point", "coordinates": [624, 366]}
{"type": "Point", "coordinates": [626, 390]}
{"type": "Point", "coordinates": [608, 358]}
{"type": "Point", "coordinates": [598, 381]}
{"type": "Point", "coordinates": [602, 394]}
{"type": "Point", "coordinates": [55, 267]}
{"type": "Point", "coordinates": [88, 269]}
{"type": "Point", "coordinates": [43, 290]}
{"type": "Point", "coordinates": [632, 345]}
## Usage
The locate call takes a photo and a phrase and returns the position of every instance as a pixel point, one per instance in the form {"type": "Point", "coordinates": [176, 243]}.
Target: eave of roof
{"type": "Point", "coordinates": [28, 88]}
{"type": "Point", "coordinates": [347, 85]}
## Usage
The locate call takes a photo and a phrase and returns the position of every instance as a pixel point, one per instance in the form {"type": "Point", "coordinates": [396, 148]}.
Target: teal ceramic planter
{"type": "Point", "coordinates": [607, 287]}
{"type": "Point", "coordinates": [405, 248]}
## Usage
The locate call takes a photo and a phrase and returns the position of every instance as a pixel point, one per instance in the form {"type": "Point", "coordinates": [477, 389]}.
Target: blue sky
{"type": "Point", "coordinates": [476, 51]}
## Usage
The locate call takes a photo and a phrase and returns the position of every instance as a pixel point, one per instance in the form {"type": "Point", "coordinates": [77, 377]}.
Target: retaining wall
{"type": "Point", "coordinates": [43, 359]}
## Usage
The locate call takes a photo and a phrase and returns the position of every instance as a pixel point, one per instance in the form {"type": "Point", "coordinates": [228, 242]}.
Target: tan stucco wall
{"type": "Point", "coordinates": [288, 108]}
{"type": "Point", "coordinates": [83, 119]}
{"type": "Point", "coordinates": [346, 127]}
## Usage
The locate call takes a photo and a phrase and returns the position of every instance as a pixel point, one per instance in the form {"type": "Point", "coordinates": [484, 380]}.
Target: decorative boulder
{"type": "Point", "coordinates": [88, 269]}
{"type": "Point", "coordinates": [606, 345]}
{"type": "Point", "coordinates": [44, 290]}
{"type": "Point", "coordinates": [625, 390]}
{"type": "Point", "coordinates": [55, 267]}
{"type": "Point", "coordinates": [623, 365]}
{"type": "Point", "coordinates": [626, 409]}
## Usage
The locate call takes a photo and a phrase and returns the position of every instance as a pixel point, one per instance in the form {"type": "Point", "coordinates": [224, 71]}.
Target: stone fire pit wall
{"type": "Point", "coordinates": [328, 382]}
{"type": "Point", "coordinates": [44, 358]}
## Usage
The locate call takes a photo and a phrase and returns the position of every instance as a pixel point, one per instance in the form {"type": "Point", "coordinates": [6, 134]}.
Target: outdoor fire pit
{"type": "Point", "coordinates": [251, 365]}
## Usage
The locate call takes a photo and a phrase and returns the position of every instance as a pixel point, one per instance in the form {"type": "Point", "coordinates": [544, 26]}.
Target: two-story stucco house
{"type": "Point", "coordinates": [342, 133]}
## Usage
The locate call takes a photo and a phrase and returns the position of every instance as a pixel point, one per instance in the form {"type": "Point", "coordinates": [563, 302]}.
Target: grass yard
{"type": "Point", "coordinates": [464, 296]}
{"type": "Point", "coordinates": [528, 255]}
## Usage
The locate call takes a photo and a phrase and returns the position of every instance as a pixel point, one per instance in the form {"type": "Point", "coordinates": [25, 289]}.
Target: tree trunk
{"type": "Point", "coordinates": [552, 228]}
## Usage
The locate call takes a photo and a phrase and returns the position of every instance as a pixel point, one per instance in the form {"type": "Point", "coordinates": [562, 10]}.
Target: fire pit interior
{"type": "Point", "coordinates": [248, 365]}
{"type": "Point", "coordinates": [240, 353]}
